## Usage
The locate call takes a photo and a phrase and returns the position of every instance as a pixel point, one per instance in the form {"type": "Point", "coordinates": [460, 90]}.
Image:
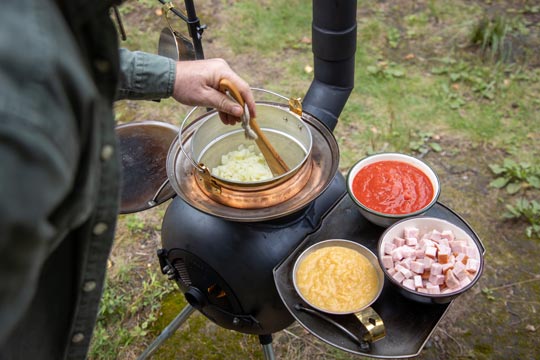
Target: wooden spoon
{"type": "Point", "coordinates": [275, 162]}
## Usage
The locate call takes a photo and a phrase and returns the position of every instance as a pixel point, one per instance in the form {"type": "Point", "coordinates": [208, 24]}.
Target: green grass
{"type": "Point", "coordinates": [267, 27]}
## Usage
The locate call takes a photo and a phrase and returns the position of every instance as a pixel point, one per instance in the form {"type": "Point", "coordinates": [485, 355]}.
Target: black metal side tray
{"type": "Point", "coordinates": [408, 324]}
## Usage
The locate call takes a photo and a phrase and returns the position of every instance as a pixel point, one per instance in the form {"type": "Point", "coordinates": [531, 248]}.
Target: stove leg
{"type": "Point", "coordinates": [266, 342]}
{"type": "Point", "coordinates": [167, 332]}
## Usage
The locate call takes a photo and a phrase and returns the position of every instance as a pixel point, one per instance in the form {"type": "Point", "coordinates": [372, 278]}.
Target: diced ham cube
{"type": "Point", "coordinates": [471, 252]}
{"type": "Point", "coordinates": [418, 281]}
{"type": "Point", "coordinates": [458, 246]}
{"type": "Point", "coordinates": [431, 251]}
{"type": "Point", "coordinates": [399, 241]}
{"type": "Point", "coordinates": [472, 265]}
{"type": "Point", "coordinates": [466, 281]}
{"type": "Point", "coordinates": [388, 262]}
{"type": "Point", "coordinates": [397, 255]}
{"type": "Point", "coordinates": [419, 254]}
{"type": "Point", "coordinates": [411, 241]}
{"type": "Point", "coordinates": [388, 247]}
{"type": "Point", "coordinates": [398, 276]}
{"type": "Point", "coordinates": [417, 267]}
{"type": "Point", "coordinates": [459, 270]}
{"type": "Point", "coordinates": [462, 257]}
{"type": "Point", "coordinates": [409, 284]}
{"type": "Point", "coordinates": [411, 231]}
{"type": "Point", "coordinates": [425, 242]}
{"type": "Point", "coordinates": [427, 262]}
{"type": "Point", "coordinates": [436, 269]}
{"type": "Point", "coordinates": [436, 279]}
{"type": "Point", "coordinates": [446, 267]}
{"type": "Point", "coordinates": [407, 251]}
{"type": "Point", "coordinates": [444, 242]}
{"type": "Point", "coordinates": [451, 280]}
{"type": "Point", "coordinates": [406, 272]}
{"type": "Point", "coordinates": [443, 255]}
{"type": "Point", "coordinates": [433, 289]}
{"type": "Point", "coordinates": [406, 262]}
{"type": "Point", "coordinates": [435, 235]}
{"type": "Point", "coordinates": [448, 234]}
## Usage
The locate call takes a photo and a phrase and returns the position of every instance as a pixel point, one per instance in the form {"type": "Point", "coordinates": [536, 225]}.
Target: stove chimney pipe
{"type": "Point", "coordinates": [334, 47]}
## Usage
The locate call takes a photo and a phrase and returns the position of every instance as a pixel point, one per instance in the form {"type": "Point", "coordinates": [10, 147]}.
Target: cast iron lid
{"type": "Point", "coordinates": [143, 147]}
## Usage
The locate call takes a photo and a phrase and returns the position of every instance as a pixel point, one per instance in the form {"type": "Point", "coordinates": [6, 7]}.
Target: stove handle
{"type": "Point", "coordinates": [364, 345]}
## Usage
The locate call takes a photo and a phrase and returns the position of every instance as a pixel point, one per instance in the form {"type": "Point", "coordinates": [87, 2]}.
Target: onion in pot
{"type": "Point", "coordinates": [243, 165]}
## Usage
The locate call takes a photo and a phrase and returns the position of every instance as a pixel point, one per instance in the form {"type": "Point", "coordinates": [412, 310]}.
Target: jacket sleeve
{"type": "Point", "coordinates": [145, 76]}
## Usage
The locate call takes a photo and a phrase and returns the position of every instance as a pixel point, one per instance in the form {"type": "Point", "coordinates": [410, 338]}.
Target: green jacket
{"type": "Point", "coordinates": [60, 71]}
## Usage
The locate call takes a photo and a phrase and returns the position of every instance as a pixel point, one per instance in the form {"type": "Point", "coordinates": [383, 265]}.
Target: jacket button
{"type": "Point", "coordinates": [77, 338]}
{"type": "Point", "coordinates": [100, 228]}
{"type": "Point", "coordinates": [106, 152]}
{"type": "Point", "coordinates": [89, 286]}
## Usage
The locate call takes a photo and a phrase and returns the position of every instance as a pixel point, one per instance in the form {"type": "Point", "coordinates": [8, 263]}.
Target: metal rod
{"type": "Point", "coordinates": [175, 11]}
{"type": "Point", "coordinates": [167, 332]}
{"type": "Point", "coordinates": [195, 28]}
{"type": "Point", "coordinates": [266, 342]}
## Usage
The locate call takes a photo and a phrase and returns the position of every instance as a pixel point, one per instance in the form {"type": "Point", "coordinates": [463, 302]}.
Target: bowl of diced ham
{"type": "Point", "coordinates": [389, 187]}
{"type": "Point", "coordinates": [430, 260]}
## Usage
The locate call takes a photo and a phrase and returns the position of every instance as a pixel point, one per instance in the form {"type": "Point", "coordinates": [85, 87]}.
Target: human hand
{"type": "Point", "coordinates": [197, 84]}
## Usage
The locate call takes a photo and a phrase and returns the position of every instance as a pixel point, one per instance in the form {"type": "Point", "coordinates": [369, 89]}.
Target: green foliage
{"type": "Point", "coordinates": [423, 142]}
{"type": "Point", "coordinates": [482, 80]}
{"type": "Point", "coordinates": [528, 210]}
{"type": "Point", "coordinates": [386, 70]}
{"type": "Point", "coordinates": [134, 223]}
{"type": "Point", "coordinates": [515, 176]}
{"type": "Point", "coordinates": [488, 293]}
{"type": "Point", "coordinates": [491, 35]}
{"type": "Point", "coordinates": [393, 36]}
{"type": "Point", "coordinates": [122, 303]}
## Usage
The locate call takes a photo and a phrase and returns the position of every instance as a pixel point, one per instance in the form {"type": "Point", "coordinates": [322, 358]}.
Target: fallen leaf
{"type": "Point", "coordinates": [409, 56]}
{"type": "Point", "coordinates": [308, 69]}
{"type": "Point", "coordinates": [159, 12]}
{"type": "Point", "coordinates": [305, 40]}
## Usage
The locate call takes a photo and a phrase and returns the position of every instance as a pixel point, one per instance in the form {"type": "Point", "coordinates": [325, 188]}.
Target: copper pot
{"type": "Point", "coordinates": [305, 144]}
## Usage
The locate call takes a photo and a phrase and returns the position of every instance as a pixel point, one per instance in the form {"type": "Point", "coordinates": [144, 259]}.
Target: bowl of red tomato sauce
{"type": "Point", "coordinates": [388, 187]}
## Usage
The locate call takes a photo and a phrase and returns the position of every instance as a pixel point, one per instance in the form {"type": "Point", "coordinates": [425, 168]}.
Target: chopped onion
{"type": "Point", "coordinates": [243, 165]}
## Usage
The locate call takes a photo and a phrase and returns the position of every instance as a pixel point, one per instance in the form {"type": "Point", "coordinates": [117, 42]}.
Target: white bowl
{"type": "Point", "coordinates": [424, 225]}
{"type": "Point", "coordinates": [384, 219]}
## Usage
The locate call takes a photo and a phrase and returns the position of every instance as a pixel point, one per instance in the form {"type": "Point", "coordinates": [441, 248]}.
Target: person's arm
{"type": "Point", "coordinates": [145, 76]}
{"type": "Point", "coordinates": [148, 76]}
